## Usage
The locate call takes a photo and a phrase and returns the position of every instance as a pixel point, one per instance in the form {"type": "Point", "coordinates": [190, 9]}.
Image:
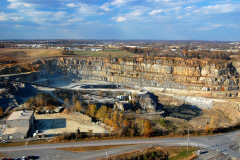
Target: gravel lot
{"type": "Point", "coordinates": [60, 123]}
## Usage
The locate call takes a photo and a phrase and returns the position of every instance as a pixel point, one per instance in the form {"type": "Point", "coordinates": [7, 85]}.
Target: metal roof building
{"type": "Point", "coordinates": [15, 133]}
{"type": "Point", "coordinates": [18, 125]}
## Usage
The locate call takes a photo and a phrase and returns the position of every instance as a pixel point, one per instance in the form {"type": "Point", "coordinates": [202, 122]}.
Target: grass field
{"type": "Point", "coordinates": [17, 54]}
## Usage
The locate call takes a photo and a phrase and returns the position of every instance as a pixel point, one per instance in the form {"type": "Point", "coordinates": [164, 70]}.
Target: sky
{"type": "Point", "coordinates": [121, 19]}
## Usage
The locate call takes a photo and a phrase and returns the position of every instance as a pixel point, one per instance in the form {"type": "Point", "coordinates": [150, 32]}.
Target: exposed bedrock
{"type": "Point", "coordinates": [190, 74]}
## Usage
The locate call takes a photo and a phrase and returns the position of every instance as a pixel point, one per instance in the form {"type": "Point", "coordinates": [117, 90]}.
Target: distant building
{"type": "Point", "coordinates": [18, 125]}
{"type": "Point", "coordinates": [123, 97]}
{"type": "Point", "coordinates": [96, 49]}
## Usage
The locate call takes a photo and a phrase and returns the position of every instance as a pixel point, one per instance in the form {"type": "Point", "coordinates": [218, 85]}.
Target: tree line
{"type": "Point", "coordinates": [157, 52]}
{"type": "Point", "coordinates": [120, 124]}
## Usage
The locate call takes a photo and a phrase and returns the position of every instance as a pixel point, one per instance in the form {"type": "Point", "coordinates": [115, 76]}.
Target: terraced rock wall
{"type": "Point", "coordinates": [193, 74]}
{"type": "Point", "coordinates": [190, 74]}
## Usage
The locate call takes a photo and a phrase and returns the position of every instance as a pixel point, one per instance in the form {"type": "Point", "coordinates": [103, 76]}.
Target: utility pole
{"type": "Point", "coordinates": [107, 154]}
{"type": "Point", "coordinates": [73, 98]}
{"type": "Point", "coordinates": [56, 95]}
{"type": "Point", "coordinates": [188, 141]}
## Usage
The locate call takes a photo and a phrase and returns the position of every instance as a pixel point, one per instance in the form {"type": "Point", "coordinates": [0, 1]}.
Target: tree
{"type": "Point", "coordinates": [78, 106]}
{"type": "Point", "coordinates": [1, 111]}
{"type": "Point", "coordinates": [126, 123]}
{"type": "Point", "coordinates": [147, 129]}
{"type": "Point", "coordinates": [125, 129]}
{"type": "Point", "coordinates": [67, 52]}
{"type": "Point", "coordinates": [74, 99]}
{"type": "Point", "coordinates": [78, 134]}
{"type": "Point", "coordinates": [101, 93]}
{"type": "Point", "coordinates": [133, 131]}
{"type": "Point", "coordinates": [66, 103]}
{"type": "Point", "coordinates": [115, 117]}
{"type": "Point", "coordinates": [102, 113]}
{"type": "Point", "coordinates": [162, 122]}
{"type": "Point", "coordinates": [120, 119]}
{"type": "Point", "coordinates": [209, 128]}
{"type": "Point", "coordinates": [92, 110]}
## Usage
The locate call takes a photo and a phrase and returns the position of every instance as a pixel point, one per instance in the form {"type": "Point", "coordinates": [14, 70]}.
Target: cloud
{"type": "Point", "coordinates": [119, 19]}
{"type": "Point", "coordinates": [233, 26]}
{"type": "Point", "coordinates": [179, 17]}
{"type": "Point", "coordinates": [40, 14]}
{"type": "Point", "coordinates": [16, 4]}
{"type": "Point", "coordinates": [59, 15]}
{"type": "Point", "coordinates": [87, 10]}
{"type": "Point", "coordinates": [17, 18]}
{"type": "Point", "coordinates": [84, 9]}
{"type": "Point", "coordinates": [211, 27]}
{"type": "Point", "coordinates": [71, 5]}
{"type": "Point", "coordinates": [216, 25]}
{"type": "Point", "coordinates": [119, 2]}
{"type": "Point", "coordinates": [174, 2]}
{"type": "Point", "coordinates": [155, 12]}
{"type": "Point", "coordinates": [73, 20]}
{"type": "Point", "coordinates": [39, 17]}
{"type": "Point", "coordinates": [3, 16]}
{"type": "Point", "coordinates": [133, 15]}
{"type": "Point", "coordinates": [204, 29]}
{"type": "Point", "coordinates": [190, 7]}
{"type": "Point", "coordinates": [163, 0]}
{"type": "Point", "coordinates": [18, 26]}
{"type": "Point", "coordinates": [217, 9]}
{"type": "Point", "coordinates": [105, 7]}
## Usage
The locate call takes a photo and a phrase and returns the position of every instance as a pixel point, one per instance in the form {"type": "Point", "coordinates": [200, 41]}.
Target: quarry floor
{"type": "Point", "coordinates": [211, 108]}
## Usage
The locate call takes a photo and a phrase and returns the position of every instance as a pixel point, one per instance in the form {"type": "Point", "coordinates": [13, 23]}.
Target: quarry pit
{"type": "Point", "coordinates": [187, 93]}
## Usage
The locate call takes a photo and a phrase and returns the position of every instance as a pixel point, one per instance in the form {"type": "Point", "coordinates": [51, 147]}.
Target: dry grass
{"type": "Point", "coordinates": [56, 140]}
{"type": "Point", "coordinates": [12, 144]}
{"type": "Point", "coordinates": [91, 148]}
{"type": "Point", "coordinates": [180, 153]}
{"type": "Point", "coordinates": [172, 153]}
{"type": "Point", "coordinates": [1, 155]}
{"type": "Point", "coordinates": [28, 53]}
{"type": "Point", "coordinates": [139, 154]}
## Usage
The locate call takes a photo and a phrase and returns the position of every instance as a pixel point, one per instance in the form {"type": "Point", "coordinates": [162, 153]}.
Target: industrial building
{"type": "Point", "coordinates": [18, 125]}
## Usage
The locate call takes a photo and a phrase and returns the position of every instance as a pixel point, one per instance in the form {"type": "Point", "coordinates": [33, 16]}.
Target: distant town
{"type": "Point", "coordinates": [142, 47]}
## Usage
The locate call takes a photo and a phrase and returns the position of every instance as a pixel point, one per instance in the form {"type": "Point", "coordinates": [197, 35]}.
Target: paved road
{"type": "Point", "coordinates": [218, 143]}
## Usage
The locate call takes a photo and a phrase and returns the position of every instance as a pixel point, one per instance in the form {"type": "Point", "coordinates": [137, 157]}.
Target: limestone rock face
{"type": "Point", "coordinates": [178, 73]}
{"type": "Point", "coordinates": [191, 74]}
